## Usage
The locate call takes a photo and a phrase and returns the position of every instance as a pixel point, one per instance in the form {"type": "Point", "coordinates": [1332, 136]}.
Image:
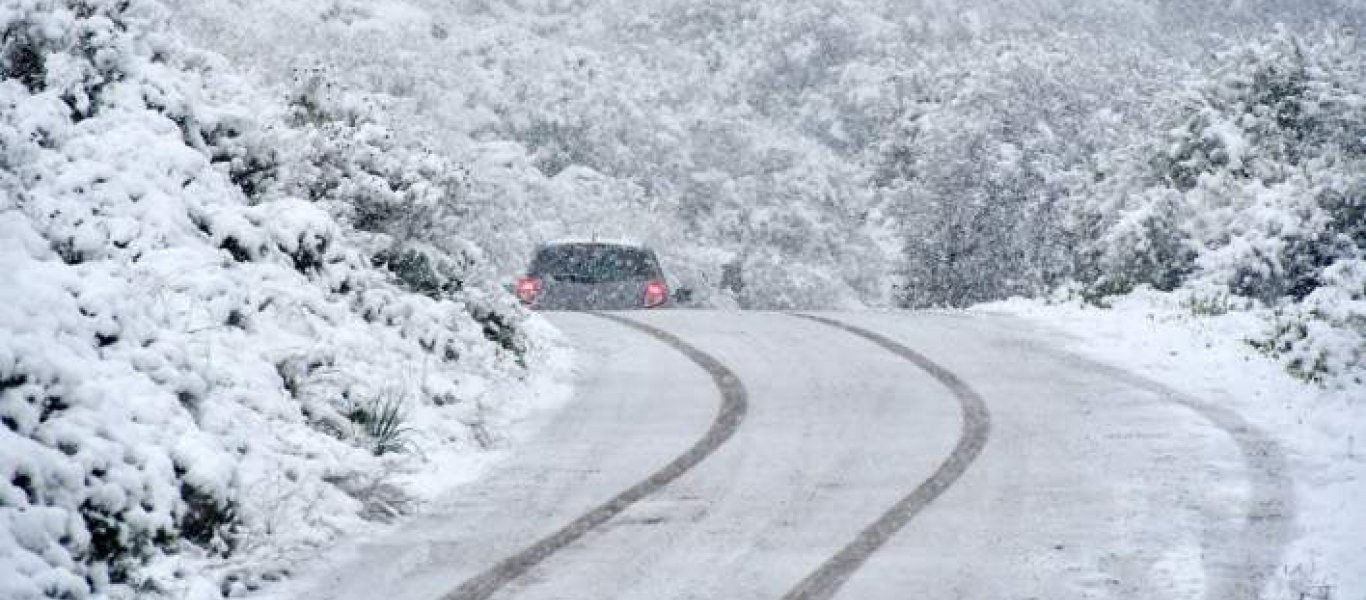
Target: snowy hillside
{"type": "Point", "coordinates": [212, 346]}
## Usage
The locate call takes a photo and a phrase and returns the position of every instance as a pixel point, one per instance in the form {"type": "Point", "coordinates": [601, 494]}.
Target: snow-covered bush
{"type": "Point", "coordinates": [414, 203]}
{"type": "Point", "coordinates": [1142, 245]}
{"type": "Point", "coordinates": [184, 329]}
{"type": "Point", "coordinates": [1258, 186]}
{"type": "Point", "coordinates": [1323, 337]}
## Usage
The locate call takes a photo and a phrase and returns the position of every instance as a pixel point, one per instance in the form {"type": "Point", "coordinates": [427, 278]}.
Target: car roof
{"type": "Point", "coordinates": [594, 241]}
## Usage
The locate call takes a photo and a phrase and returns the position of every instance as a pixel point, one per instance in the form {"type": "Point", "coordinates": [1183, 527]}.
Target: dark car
{"type": "Point", "coordinates": [593, 276]}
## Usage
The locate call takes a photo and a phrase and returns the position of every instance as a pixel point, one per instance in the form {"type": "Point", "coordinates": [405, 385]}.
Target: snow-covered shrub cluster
{"type": "Point", "coordinates": [1257, 190]}
{"type": "Point", "coordinates": [207, 299]}
{"type": "Point", "coordinates": [409, 206]}
{"type": "Point", "coordinates": [975, 171]}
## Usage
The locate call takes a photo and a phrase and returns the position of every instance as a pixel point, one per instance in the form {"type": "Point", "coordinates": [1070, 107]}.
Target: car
{"type": "Point", "coordinates": [594, 276]}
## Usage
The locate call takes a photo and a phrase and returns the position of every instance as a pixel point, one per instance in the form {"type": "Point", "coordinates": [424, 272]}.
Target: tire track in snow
{"type": "Point", "coordinates": [827, 579]}
{"type": "Point", "coordinates": [734, 403]}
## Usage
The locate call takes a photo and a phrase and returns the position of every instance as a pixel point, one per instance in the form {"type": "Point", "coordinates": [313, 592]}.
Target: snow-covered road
{"type": "Point", "coordinates": [1092, 483]}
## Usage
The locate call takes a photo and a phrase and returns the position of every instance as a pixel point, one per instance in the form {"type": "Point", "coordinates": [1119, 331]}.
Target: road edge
{"type": "Point", "coordinates": [1256, 548]}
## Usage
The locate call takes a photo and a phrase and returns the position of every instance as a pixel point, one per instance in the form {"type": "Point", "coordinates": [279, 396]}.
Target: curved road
{"type": "Point", "coordinates": [763, 455]}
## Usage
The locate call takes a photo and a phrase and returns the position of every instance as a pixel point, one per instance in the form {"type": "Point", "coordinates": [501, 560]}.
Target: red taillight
{"type": "Point", "coordinates": [528, 288]}
{"type": "Point", "coordinates": [656, 293]}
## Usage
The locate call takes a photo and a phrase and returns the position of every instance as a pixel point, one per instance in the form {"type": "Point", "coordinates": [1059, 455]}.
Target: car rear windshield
{"type": "Point", "coordinates": [594, 263]}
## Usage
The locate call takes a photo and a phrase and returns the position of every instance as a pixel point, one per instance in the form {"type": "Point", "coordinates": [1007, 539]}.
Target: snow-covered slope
{"type": "Point", "coordinates": [203, 355]}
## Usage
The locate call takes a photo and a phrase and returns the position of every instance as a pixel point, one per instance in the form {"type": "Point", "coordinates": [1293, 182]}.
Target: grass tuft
{"type": "Point", "coordinates": [383, 421]}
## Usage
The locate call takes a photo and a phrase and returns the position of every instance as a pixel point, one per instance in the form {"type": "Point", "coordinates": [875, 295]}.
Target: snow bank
{"type": "Point", "coordinates": [200, 347]}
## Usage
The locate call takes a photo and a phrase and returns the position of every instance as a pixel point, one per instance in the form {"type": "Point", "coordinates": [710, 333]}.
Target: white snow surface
{"type": "Point", "coordinates": [1209, 357]}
